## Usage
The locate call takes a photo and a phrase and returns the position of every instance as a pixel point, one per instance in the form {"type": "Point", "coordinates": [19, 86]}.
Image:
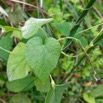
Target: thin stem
{"type": "Point", "coordinates": [64, 38]}
{"type": "Point", "coordinates": [76, 41]}
{"type": "Point", "coordinates": [5, 50]}
{"type": "Point", "coordinates": [71, 56]}
{"type": "Point", "coordinates": [89, 28]}
{"type": "Point", "coordinates": [96, 38]}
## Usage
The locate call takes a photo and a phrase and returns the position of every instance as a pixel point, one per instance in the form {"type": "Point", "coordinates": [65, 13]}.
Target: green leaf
{"type": "Point", "coordinates": [43, 87]}
{"type": "Point", "coordinates": [32, 25]}
{"type": "Point", "coordinates": [98, 91]}
{"type": "Point", "coordinates": [1, 83]}
{"type": "Point", "coordinates": [8, 28]}
{"type": "Point", "coordinates": [42, 34]}
{"type": "Point", "coordinates": [6, 43]}
{"type": "Point", "coordinates": [20, 98]}
{"type": "Point", "coordinates": [89, 98]}
{"type": "Point", "coordinates": [42, 56]}
{"type": "Point", "coordinates": [3, 23]}
{"type": "Point", "coordinates": [17, 66]}
{"type": "Point", "coordinates": [55, 94]}
{"type": "Point", "coordinates": [21, 85]}
{"type": "Point", "coordinates": [83, 41]}
{"type": "Point", "coordinates": [63, 28]}
{"type": "Point", "coordinates": [99, 100]}
{"type": "Point", "coordinates": [17, 34]}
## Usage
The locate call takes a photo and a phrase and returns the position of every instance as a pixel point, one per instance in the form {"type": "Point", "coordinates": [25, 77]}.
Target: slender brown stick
{"type": "Point", "coordinates": [2, 101]}
{"type": "Point", "coordinates": [24, 3]}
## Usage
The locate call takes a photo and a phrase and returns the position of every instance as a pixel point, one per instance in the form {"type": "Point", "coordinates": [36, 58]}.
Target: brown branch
{"type": "Point", "coordinates": [24, 3]}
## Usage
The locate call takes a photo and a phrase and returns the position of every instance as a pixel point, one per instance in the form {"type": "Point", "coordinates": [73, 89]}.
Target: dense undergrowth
{"type": "Point", "coordinates": [51, 51]}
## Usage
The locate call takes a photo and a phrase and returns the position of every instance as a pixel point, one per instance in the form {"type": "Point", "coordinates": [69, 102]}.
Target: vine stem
{"type": "Point", "coordinates": [89, 28]}
{"type": "Point", "coordinates": [76, 41]}
{"type": "Point", "coordinates": [68, 38]}
{"type": "Point", "coordinates": [71, 56]}
{"type": "Point", "coordinates": [88, 50]}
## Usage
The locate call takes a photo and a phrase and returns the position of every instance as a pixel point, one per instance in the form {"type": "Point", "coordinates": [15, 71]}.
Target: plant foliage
{"type": "Point", "coordinates": [51, 51]}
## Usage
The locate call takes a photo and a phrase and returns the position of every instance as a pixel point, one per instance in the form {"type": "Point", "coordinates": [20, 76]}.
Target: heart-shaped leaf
{"type": "Point", "coordinates": [17, 66]}
{"type": "Point", "coordinates": [42, 57]}
{"type": "Point", "coordinates": [32, 25]}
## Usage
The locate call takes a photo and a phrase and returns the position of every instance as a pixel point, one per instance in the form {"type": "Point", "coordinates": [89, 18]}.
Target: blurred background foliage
{"type": "Point", "coordinates": [65, 13]}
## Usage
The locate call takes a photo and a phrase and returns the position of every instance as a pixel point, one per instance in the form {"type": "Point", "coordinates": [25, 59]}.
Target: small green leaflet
{"type": "Point", "coordinates": [32, 25]}
{"type": "Point", "coordinates": [55, 94]}
{"type": "Point", "coordinates": [17, 66]}
{"type": "Point", "coordinates": [42, 56]}
{"type": "Point", "coordinates": [89, 98]}
{"type": "Point", "coordinates": [8, 28]}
